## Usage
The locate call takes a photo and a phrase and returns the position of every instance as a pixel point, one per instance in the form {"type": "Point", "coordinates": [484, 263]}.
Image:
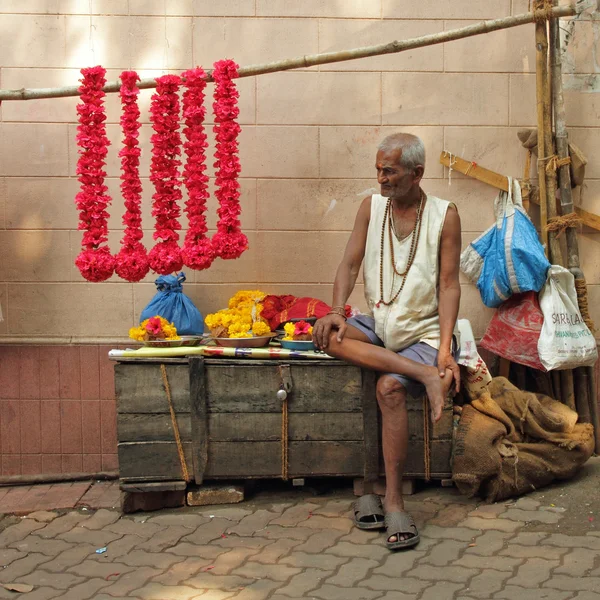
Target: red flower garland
{"type": "Point", "coordinates": [95, 262]}
{"type": "Point", "coordinates": [132, 260]}
{"type": "Point", "coordinates": [228, 241]}
{"type": "Point", "coordinates": [165, 257]}
{"type": "Point", "coordinates": [197, 251]}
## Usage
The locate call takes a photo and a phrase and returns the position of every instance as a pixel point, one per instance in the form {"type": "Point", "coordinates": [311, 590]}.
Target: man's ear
{"type": "Point", "coordinates": [419, 171]}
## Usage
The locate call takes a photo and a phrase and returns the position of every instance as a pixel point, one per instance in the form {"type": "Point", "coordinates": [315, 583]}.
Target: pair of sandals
{"type": "Point", "coordinates": [369, 514]}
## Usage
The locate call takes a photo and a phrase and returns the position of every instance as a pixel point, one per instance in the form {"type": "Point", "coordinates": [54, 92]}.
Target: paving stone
{"type": "Point", "coordinates": [201, 551]}
{"type": "Point", "coordinates": [19, 531]}
{"type": "Point", "coordinates": [80, 535]}
{"type": "Point", "coordinates": [70, 558]}
{"type": "Point", "coordinates": [122, 546]}
{"type": "Point", "coordinates": [22, 566]}
{"type": "Point", "coordinates": [500, 563]}
{"type": "Point", "coordinates": [319, 541]}
{"type": "Point", "coordinates": [224, 583]}
{"type": "Point", "coordinates": [211, 530]}
{"type": "Point", "coordinates": [445, 552]}
{"type": "Point", "coordinates": [450, 516]}
{"type": "Point", "coordinates": [125, 583]}
{"type": "Point", "coordinates": [86, 589]}
{"type": "Point", "coordinates": [164, 539]}
{"type": "Point", "coordinates": [335, 508]}
{"type": "Point", "coordinates": [359, 536]}
{"type": "Point", "coordinates": [42, 516]}
{"type": "Point", "coordinates": [231, 513]}
{"type": "Point", "coordinates": [398, 596]}
{"type": "Point", "coordinates": [97, 568]}
{"type": "Point", "coordinates": [482, 524]}
{"type": "Point", "coordinates": [275, 532]}
{"type": "Point", "coordinates": [235, 541]}
{"type": "Point", "coordinates": [317, 561]}
{"type": "Point", "coordinates": [448, 533]}
{"type": "Point", "coordinates": [33, 543]}
{"type": "Point", "coordinates": [510, 592]}
{"type": "Point", "coordinates": [488, 511]}
{"type": "Point", "coordinates": [156, 591]}
{"type": "Point", "coordinates": [533, 552]}
{"type": "Point", "coordinates": [352, 572]}
{"type": "Point", "coordinates": [102, 494]}
{"type": "Point", "coordinates": [253, 523]}
{"type": "Point", "coordinates": [62, 524]}
{"type": "Point", "coordinates": [189, 520]}
{"type": "Point", "coordinates": [526, 538]}
{"type": "Point", "coordinates": [61, 581]}
{"type": "Point", "coordinates": [295, 514]}
{"type": "Point", "coordinates": [271, 554]}
{"type": "Point", "coordinates": [101, 518]}
{"type": "Point", "coordinates": [143, 558]}
{"type": "Point", "coordinates": [488, 543]}
{"type": "Point", "coordinates": [572, 541]}
{"type": "Point", "coordinates": [451, 573]}
{"type": "Point", "coordinates": [575, 584]}
{"type": "Point", "coordinates": [442, 591]}
{"type": "Point", "coordinates": [408, 585]}
{"type": "Point", "coordinates": [488, 582]}
{"type": "Point", "coordinates": [531, 516]}
{"type": "Point", "coordinates": [256, 570]}
{"type": "Point", "coordinates": [299, 585]}
{"type": "Point", "coordinates": [131, 527]}
{"type": "Point", "coordinates": [8, 555]}
{"type": "Point", "coordinates": [234, 558]}
{"type": "Point", "coordinates": [181, 571]}
{"type": "Point", "coordinates": [527, 503]}
{"type": "Point", "coordinates": [330, 592]}
{"type": "Point", "coordinates": [577, 563]}
{"type": "Point", "coordinates": [587, 596]}
{"type": "Point", "coordinates": [343, 524]}
{"type": "Point", "coordinates": [376, 552]}
{"type": "Point", "coordinates": [398, 563]}
{"type": "Point", "coordinates": [258, 590]}
{"type": "Point", "coordinates": [533, 572]}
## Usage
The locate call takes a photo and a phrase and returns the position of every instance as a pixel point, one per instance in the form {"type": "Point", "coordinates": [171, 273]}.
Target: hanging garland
{"type": "Point", "coordinates": [165, 257]}
{"type": "Point", "coordinates": [95, 262]}
{"type": "Point", "coordinates": [197, 251]}
{"type": "Point", "coordinates": [228, 242]}
{"type": "Point", "coordinates": [132, 260]}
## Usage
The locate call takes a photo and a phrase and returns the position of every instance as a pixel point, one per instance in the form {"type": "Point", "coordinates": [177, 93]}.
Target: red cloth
{"type": "Point", "coordinates": [514, 330]}
{"type": "Point", "coordinates": [280, 309]}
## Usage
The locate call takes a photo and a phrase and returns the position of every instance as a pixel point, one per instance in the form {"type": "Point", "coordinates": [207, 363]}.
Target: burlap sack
{"type": "Point", "coordinates": [510, 442]}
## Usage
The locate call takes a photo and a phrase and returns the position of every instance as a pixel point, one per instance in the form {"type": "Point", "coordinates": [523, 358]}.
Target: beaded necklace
{"type": "Point", "coordinates": [416, 233]}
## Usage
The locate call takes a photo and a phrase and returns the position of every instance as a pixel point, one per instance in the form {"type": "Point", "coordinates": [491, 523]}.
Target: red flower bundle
{"type": "Point", "coordinates": [197, 251]}
{"type": "Point", "coordinates": [165, 257]}
{"type": "Point", "coordinates": [95, 262]}
{"type": "Point", "coordinates": [228, 241]}
{"type": "Point", "coordinates": [132, 260]}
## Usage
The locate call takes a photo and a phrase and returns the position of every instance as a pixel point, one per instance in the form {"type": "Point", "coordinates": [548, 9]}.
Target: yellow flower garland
{"type": "Point", "coordinates": [242, 317]}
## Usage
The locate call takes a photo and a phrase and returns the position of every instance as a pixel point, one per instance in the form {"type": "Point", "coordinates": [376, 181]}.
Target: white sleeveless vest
{"type": "Point", "coordinates": [413, 316]}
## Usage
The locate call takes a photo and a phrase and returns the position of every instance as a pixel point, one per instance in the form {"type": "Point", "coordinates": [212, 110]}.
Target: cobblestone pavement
{"type": "Point", "coordinates": [295, 544]}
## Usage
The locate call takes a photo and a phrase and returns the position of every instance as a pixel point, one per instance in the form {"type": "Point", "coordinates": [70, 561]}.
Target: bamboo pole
{"type": "Point", "coordinates": [312, 60]}
{"type": "Point", "coordinates": [586, 397]}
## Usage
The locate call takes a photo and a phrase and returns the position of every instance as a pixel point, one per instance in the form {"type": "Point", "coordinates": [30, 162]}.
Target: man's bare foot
{"type": "Point", "coordinates": [396, 506]}
{"type": "Point", "coordinates": [437, 389]}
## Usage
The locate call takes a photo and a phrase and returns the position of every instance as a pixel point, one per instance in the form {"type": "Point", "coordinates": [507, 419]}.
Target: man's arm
{"type": "Point", "coordinates": [345, 277]}
{"type": "Point", "coordinates": [449, 291]}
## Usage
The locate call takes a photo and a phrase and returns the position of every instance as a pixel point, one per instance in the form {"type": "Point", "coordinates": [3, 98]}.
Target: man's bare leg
{"type": "Point", "coordinates": [391, 397]}
{"type": "Point", "coordinates": [356, 348]}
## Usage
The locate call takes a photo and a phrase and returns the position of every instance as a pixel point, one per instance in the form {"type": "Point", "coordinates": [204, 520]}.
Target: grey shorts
{"type": "Point", "coordinates": [420, 352]}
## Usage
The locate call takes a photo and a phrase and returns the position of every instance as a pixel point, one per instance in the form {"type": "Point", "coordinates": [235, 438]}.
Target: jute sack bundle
{"type": "Point", "coordinates": [511, 442]}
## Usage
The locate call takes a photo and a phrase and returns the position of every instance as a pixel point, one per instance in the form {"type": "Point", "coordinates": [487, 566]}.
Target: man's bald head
{"type": "Point", "coordinates": [411, 146]}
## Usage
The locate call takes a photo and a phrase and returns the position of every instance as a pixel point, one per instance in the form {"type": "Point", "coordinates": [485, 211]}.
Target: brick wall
{"type": "Point", "coordinates": [307, 151]}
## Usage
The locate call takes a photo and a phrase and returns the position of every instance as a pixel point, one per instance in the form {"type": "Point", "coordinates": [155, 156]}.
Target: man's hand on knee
{"type": "Point", "coordinates": [323, 328]}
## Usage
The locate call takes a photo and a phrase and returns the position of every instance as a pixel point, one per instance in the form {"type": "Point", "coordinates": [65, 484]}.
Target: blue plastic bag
{"type": "Point", "coordinates": [172, 304]}
{"type": "Point", "coordinates": [508, 258]}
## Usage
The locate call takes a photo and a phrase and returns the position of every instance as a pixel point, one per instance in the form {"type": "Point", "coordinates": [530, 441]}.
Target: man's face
{"type": "Point", "coordinates": [394, 179]}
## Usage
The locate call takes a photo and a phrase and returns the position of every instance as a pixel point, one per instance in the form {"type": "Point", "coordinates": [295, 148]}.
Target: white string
{"type": "Point", "coordinates": [451, 164]}
{"type": "Point", "coordinates": [166, 54]}
{"type": "Point", "coordinates": [92, 49]}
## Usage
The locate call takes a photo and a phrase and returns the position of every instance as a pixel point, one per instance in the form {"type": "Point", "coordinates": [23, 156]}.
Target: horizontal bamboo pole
{"type": "Point", "coordinates": [312, 60]}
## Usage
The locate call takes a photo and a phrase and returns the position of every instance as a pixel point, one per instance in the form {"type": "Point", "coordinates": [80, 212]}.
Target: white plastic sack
{"type": "Point", "coordinates": [565, 341]}
{"type": "Point", "coordinates": [477, 375]}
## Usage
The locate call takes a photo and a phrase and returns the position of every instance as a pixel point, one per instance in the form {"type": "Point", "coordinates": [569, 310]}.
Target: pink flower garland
{"type": "Point", "coordinates": [228, 241]}
{"type": "Point", "coordinates": [95, 262]}
{"type": "Point", "coordinates": [197, 251]}
{"type": "Point", "coordinates": [165, 257]}
{"type": "Point", "coordinates": [132, 260]}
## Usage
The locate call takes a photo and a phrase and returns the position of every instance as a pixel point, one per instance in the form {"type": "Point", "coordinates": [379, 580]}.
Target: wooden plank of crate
{"type": "Point", "coordinates": [134, 427]}
{"type": "Point", "coordinates": [370, 425]}
{"type": "Point", "coordinates": [199, 416]}
{"type": "Point", "coordinates": [151, 461]}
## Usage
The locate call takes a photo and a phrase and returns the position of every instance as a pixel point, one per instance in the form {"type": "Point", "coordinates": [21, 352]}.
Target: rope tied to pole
{"type": "Point", "coordinates": [555, 163]}
{"type": "Point", "coordinates": [560, 224]}
{"type": "Point", "coordinates": [543, 14]}
{"type": "Point", "coordinates": [582, 300]}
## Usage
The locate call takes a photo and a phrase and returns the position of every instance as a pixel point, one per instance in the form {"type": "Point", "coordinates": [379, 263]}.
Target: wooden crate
{"type": "Point", "coordinates": [230, 421]}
